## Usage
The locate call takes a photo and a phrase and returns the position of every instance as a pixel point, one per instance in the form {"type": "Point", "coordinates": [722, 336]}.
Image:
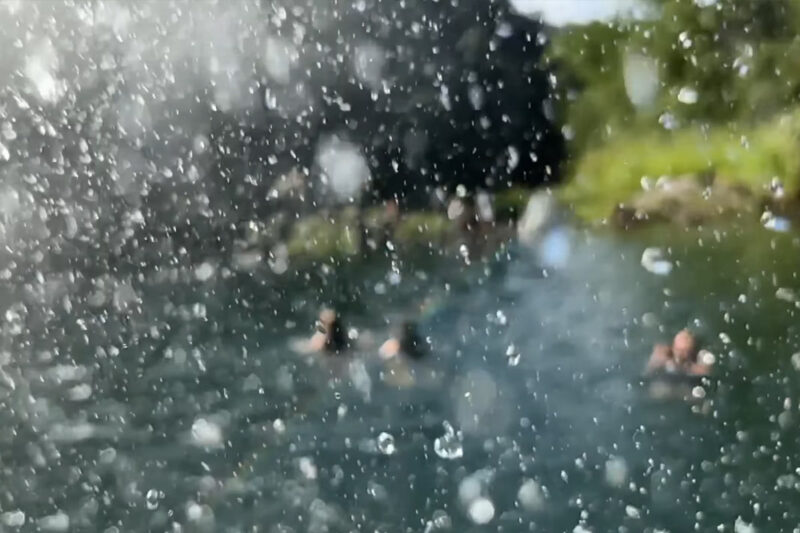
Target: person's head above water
{"type": "Point", "coordinates": [406, 341]}
{"type": "Point", "coordinates": [330, 325]}
{"type": "Point", "coordinates": [684, 346]}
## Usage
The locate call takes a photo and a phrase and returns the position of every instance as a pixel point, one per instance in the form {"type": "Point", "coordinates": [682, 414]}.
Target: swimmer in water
{"type": "Point", "coordinates": [660, 359]}
{"type": "Point", "coordinates": [680, 358]}
{"type": "Point", "coordinates": [330, 338]}
{"type": "Point", "coordinates": [403, 349]}
{"type": "Point", "coordinates": [407, 342]}
{"type": "Point", "coordinates": [686, 355]}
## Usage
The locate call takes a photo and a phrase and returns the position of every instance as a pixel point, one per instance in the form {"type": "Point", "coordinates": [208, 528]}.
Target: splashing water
{"type": "Point", "coordinates": [449, 445]}
{"type": "Point", "coordinates": [386, 444]}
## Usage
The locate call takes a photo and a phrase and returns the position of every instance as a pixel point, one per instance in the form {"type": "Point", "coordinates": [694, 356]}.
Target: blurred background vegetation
{"type": "Point", "coordinates": [687, 87]}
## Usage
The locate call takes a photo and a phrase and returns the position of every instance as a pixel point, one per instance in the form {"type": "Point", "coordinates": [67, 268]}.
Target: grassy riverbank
{"type": "Point", "coordinates": [602, 178]}
{"type": "Point", "coordinates": [342, 234]}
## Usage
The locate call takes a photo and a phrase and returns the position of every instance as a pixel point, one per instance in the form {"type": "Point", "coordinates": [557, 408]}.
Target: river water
{"type": "Point", "coordinates": [170, 399]}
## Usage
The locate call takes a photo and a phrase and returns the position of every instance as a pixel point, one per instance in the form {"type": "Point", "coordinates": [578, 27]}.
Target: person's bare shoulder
{"type": "Point", "coordinates": [389, 349]}
{"type": "Point", "coordinates": [308, 346]}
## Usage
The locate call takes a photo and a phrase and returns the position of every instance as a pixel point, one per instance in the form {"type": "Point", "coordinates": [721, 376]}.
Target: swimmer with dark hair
{"type": "Point", "coordinates": [330, 337]}
{"type": "Point", "coordinates": [407, 342]}
{"type": "Point", "coordinates": [404, 354]}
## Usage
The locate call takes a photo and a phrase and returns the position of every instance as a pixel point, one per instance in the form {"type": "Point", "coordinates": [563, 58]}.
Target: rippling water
{"type": "Point", "coordinates": [170, 399]}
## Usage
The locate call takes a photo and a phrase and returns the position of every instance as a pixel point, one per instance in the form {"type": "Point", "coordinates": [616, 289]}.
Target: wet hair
{"type": "Point", "coordinates": [411, 343]}
{"type": "Point", "coordinates": [336, 341]}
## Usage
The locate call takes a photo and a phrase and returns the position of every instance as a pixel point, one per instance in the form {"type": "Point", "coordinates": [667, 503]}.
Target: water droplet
{"type": "Point", "coordinates": [57, 522]}
{"type": "Point", "coordinates": [775, 223]}
{"type": "Point", "coordinates": [785, 294]}
{"type": "Point", "coordinates": [687, 96]}
{"type": "Point", "coordinates": [616, 472]}
{"type": "Point", "coordinates": [79, 393]}
{"type": "Point", "coordinates": [668, 121]}
{"type": "Point", "coordinates": [439, 522]}
{"type": "Point", "coordinates": [481, 510]}
{"type": "Point", "coordinates": [151, 499]}
{"type": "Point", "coordinates": [15, 320]}
{"type": "Point", "coordinates": [776, 188]}
{"type": "Point", "coordinates": [653, 261]}
{"type": "Point", "coordinates": [632, 512]}
{"type": "Point", "coordinates": [107, 455]}
{"type": "Point", "coordinates": [464, 251]}
{"type": "Point", "coordinates": [206, 433]}
{"type": "Point", "coordinates": [308, 468]}
{"type": "Point", "coordinates": [512, 355]}
{"type": "Point", "coordinates": [641, 79]}
{"type": "Point", "coordinates": [449, 446]}
{"type": "Point", "coordinates": [785, 419]}
{"type": "Point", "coordinates": [204, 271]}
{"type": "Point", "coordinates": [530, 496]}
{"type": "Point", "coordinates": [740, 526]}
{"type": "Point", "coordinates": [13, 518]}
{"type": "Point", "coordinates": [706, 357]}
{"type": "Point", "coordinates": [386, 444]}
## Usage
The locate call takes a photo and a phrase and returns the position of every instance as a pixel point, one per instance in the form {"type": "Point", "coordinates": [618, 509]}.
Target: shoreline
{"type": "Point", "coordinates": [348, 233]}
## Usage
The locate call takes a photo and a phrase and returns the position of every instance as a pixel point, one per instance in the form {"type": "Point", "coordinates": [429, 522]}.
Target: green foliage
{"type": "Point", "coordinates": [590, 84]}
{"type": "Point", "coordinates": [336, 237]}
{"type": "Point", "coordinates": [607, 175]}
{"type": "Point", "coordinates": [739, 58]}
{"type": "Point", "coordinates": [423, 229]}
{"type": "Point", "coordinates": [509, 204]}
{"type": "Point", "coordinates": [319, 237]}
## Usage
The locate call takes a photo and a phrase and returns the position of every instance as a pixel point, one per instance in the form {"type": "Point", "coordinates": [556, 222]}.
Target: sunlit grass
{"type": "Point", "coordinates": [423, 229]}
{"type": "Point", "coordinates": [321, 237]}
{"type": "Point", "coordinates": [611, 174]}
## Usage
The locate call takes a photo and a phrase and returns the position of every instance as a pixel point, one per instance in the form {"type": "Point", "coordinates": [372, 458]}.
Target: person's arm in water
{"type": "Point", "coordinates": [659, 359]}
{"type": "Point", "coordinates": [317, 342]}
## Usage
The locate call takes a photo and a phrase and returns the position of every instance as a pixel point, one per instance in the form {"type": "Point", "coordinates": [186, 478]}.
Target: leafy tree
{"type": "Point", "coordinates": [718, 62]}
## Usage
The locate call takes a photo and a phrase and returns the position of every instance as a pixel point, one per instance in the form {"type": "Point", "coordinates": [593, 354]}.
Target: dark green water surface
{"type": "Point", "coordinates": [154, 401]}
